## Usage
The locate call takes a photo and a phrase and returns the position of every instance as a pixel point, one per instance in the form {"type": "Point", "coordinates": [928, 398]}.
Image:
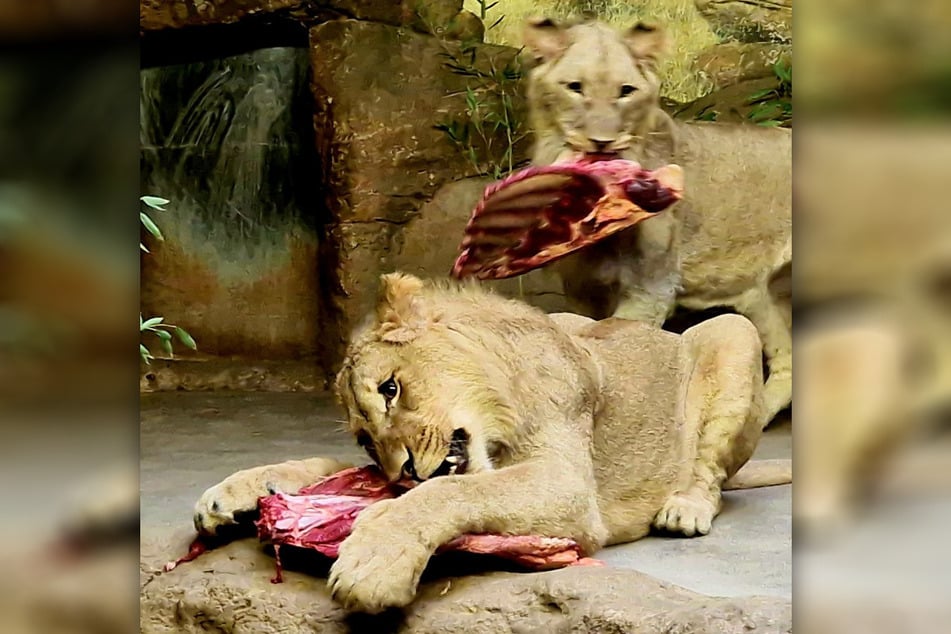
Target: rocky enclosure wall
{"type": "Point", "coordinates": [298, 175]}
{"type": "Point", "coordinates": [302, 166]}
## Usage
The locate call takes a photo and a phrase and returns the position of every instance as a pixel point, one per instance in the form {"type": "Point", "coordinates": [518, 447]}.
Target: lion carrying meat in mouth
{"type": "Point", "coordinates": [517, 422]}
{"type": "Point", "coordinates": [595, 93]}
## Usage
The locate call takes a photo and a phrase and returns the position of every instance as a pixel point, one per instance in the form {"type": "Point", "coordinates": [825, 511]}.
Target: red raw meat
{"type": "Point", "coordinates": [322, 516]}
{"type": "Point", "coordinates": [199, 546]}
{"type": "Point", "coordinates": [540, 214]}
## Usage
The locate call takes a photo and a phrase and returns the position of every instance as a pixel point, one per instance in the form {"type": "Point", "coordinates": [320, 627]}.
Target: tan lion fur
{"type": "Point", "coordinates": [590, 430]}
{"type": "Point", "coordinates": [596, 89]}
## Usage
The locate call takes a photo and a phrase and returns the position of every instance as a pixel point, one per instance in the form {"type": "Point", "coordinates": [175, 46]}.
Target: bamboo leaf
{"type": "Point", "coordinates": [186, 338]}
{"type": "Point", "coordinates": [154, 321]}
{"type": "Point", "coordinates": [471, 99]}
{"type": "Point", "coordinates": [154, 202]}
{"type": "Point", "coordinates": [759, 94]}
{"type": "Point", "coordinates": [151, 226]}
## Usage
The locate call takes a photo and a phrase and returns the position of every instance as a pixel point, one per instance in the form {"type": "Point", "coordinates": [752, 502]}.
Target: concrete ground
{"type": "Point", "coordinates": [191, 440]}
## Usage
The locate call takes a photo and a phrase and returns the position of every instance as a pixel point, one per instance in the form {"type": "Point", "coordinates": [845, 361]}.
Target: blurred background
{"type": "Point", "coordinates": [82, 138]}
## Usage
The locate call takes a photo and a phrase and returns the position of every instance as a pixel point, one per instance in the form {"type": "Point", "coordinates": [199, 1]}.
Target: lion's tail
{"type": "Point", "coordinates": [760, 473]}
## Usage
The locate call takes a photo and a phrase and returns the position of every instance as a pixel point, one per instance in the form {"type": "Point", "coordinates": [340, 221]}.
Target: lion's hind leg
{"type": "Point", "coordinates": [723, 419]}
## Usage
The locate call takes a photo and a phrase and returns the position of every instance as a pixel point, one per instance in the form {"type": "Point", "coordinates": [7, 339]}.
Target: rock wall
{"type": "Point", "coordinates": [439, 17]}
{"type": "Point", "coordinates": [749, 20]}
{"type": "Point", "coordinates": [299, 173]}
{"type": "Point", "coordinates": [380, 92]}
{"type": "Point", "coordinates": [294, 172]}
{"type": "Point", "coordinates": [755, 35]}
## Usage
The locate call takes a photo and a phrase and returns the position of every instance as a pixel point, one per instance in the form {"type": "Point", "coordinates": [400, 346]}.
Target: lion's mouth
{"type": "Point", "coordinates": [457, 460]}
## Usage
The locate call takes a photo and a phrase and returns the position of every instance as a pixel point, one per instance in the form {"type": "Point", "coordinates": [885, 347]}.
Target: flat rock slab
{"type": "Point", "coordinates": [230, 590]}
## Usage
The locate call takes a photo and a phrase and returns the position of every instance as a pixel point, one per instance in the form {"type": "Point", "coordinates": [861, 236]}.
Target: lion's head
{"type": "Point", "coordinates": [424, 383]}
{"type": "Point", "coordinates": [594, 86]}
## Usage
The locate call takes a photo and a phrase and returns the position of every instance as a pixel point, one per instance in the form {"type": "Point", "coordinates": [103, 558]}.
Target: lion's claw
{"type": "Point", "coordinates": [688, 513]}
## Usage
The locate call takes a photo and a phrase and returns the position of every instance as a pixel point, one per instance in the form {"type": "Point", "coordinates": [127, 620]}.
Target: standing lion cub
{"type": "Point", "coordinates": [517, 422]}
{"type": "Point", "coordinates": [595, 91]}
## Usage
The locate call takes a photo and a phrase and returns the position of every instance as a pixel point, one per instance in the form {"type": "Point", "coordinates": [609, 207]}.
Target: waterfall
{"type": "Point", "coordinates": [219, 140]}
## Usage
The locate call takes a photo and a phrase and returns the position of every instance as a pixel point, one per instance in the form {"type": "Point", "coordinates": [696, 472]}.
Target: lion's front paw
{"type": "Point", "coordinates": [226, 502]}
{"type": "Point", "coordinates": [689, 513]}
{"type": "Point", "coordinates": [379, 564]}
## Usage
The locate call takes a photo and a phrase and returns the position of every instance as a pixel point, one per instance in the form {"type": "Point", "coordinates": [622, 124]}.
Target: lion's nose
{"type": "Point", "coordinates": [600, 145]}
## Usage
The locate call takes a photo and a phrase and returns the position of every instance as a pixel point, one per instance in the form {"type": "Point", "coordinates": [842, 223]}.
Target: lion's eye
{"type": "Point", "coordinates": [575, 86]}
{"type": "Point", "coordinates": [627, 90]}
{"type": "Point", "coordinates": [389, 388]}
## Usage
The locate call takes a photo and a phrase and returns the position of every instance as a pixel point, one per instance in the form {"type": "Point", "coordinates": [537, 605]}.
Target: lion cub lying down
{"type": "Point", "coordinates": [523, 423]}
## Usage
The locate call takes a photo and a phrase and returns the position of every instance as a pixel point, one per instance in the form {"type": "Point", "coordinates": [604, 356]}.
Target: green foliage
{"type": "Point", "coordinates": [484, 7]}
{"type": "Point", "coordinates": [707, 113]}
{"type": "Point", "coordinates": [491, 126]}
{"type": "Point", "coordinates": [157, 325]}
{"type": "Point", "coordinates": [157, 204]}
{"type": "Point", "coordinates": [163, 331]}
{"type": "Point", "coordinates": [773, 107]}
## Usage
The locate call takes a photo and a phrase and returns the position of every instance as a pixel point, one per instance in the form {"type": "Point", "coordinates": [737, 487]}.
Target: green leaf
{"type": "Point", "coordinates": [151, 226]}
{"type": "Point", "coordinates": [783, 72]}
{"type": "Point", "coordinates": [154, 321]}
{"type": "Point", "coordinates": [167, 346]}
{"type": "Point", "coordinates": [142, 246]}
{"type": "Point", "coordinates": [471, 99]}
{"type": "Point", "coordinates": [770, 124]}
{"type": "Point", "coordinates": [186, 338]}
{"type": "Point", "coordinates": [764, 111]}
{"type": "Point", "coordinates": [154, 202]}
{"type": "Point", "coordinates": [144, 354]}
{"type": "Point", "coordinates": [759, 94]}
{"type": "Point", "coordinates": [163, 334]}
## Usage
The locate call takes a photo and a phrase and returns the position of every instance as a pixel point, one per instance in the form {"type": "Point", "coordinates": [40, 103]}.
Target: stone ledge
{"type": "Point", "coordinates": [442, 17]}
{"type": "Point", "coordinates": [749, 20]}
{"type": "Point", "coordinates": [229, 590]}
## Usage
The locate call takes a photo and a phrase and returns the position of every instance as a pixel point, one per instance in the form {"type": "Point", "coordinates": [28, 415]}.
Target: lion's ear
{"type": "Point", "coordinates": [399, 312]}
{"type": "Point", "coordinates": [647, 42]}
{"type": "Point", "coordinates": [544, 38]}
